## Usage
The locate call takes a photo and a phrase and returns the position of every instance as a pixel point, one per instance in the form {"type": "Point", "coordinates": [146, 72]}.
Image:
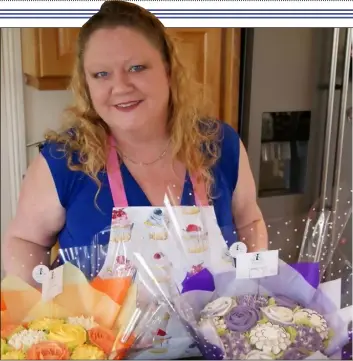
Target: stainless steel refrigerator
{"type": "Point", "coordinates": [296, 123]}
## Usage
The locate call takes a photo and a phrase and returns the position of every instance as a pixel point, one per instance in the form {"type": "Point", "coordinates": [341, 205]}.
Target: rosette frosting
{"type": "Point", "coordinates": [278, 314]}
{"type": "Point", "coordinates": [270, 338]}
{"type": "Point", "coordinates": [70, 335]}
{"type": "Point", "coordinates": [86, 322]}
{"type": "Point", "coordinates": [44, 324]}
{"type": "Point", "coordinates": [308, 317]}
{"type": "Point", "coordinates": [218, 308]}
{"type": "Point", "coordinates": [241, 318]}
{"type": "Point", "coordinates": [26, 338]}
{"type": "Point", "coordinates": [48, 350]}
{"type": "Point", "coordinates": [13, 355]}
{"type": "Point", "coordinates": [3, 346]}
{"type": "Point", "coordinates": [87, 352]}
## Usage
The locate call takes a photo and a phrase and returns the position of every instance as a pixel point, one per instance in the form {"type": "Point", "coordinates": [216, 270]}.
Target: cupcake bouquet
{"type": "Point", "coordinates": [75, 338]}
{"type": "Point", "coordinates": [262, 318]}
{"type": "Point", "coordinates": [262, 327]}
{"type": "Point", "coordinates": [100, 319]}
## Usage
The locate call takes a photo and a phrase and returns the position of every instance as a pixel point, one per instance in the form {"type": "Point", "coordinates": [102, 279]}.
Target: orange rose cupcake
{"type": "Point", "coordinates": [102, 338]}
{"type": "Point", "coordinates": [48, 350]}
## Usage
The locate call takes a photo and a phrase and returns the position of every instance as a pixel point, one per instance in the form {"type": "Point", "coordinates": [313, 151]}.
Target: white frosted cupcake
{"type": "Point", "coordinates": [121, 227]}
{"type": "Point", "coordinates": [195, 238]}
{"type": "Point", "coordinates": [156, 224]}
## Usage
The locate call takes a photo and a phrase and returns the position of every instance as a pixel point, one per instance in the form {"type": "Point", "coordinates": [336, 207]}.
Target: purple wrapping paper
{"type": "Point", "coordinates": [290, 282]}
{"type": "Point", "coordinates": [310, 271]}
{"type": "Point", "coordinates": [202, 281]}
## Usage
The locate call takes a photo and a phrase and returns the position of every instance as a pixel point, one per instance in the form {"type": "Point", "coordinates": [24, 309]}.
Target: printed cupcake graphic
{"type": "Point", "coordinates": [195, 238]}
{"type": "Point", "coordinates": [121, 226]}
{"type": "Point", "coordinates": [157, 225]}
{"type": "Point", "coordinates": [160, 339]}
{"type": "Point", "coordinates": [190, 210]}
{"type": "Point", "coordinates": [161, 268]}
{"type": "Point", "coordinates": [122, 268]}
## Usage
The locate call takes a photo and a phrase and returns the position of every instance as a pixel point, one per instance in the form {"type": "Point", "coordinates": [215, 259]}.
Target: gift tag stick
{"type": "Point", "coordinates": [53, 283]}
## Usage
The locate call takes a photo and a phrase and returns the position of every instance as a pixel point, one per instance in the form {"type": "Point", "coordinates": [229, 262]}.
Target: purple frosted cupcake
{"type": "Point", "coordinates": [294, 354]}
{"type": "Point", "coordinates": [255, 301]}
{"type": "Point", "coordinates": [236, 345]}
{"type": "Point", "coordinates": [308, 338]}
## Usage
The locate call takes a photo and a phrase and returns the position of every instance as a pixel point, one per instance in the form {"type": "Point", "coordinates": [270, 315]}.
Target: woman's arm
{"type": "Point", "coordinates": [248, 218]}
{"type": "Point", "coordinates": [38, 220]}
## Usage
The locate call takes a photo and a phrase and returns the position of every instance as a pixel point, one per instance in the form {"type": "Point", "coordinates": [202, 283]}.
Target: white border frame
{"type": "Point", "coordinates": [12, 109]}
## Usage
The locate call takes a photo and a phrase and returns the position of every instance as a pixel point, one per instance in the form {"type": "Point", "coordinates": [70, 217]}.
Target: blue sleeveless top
{"type": "Point", "coordinates": [76, 192]}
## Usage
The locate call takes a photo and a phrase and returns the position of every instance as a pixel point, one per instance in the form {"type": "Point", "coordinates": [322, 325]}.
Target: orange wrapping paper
{"type": "Point", "coordinates": [102, 300]}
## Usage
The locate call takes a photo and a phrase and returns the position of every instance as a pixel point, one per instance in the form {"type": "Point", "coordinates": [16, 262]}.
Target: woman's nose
{"type": "Point", "coordinates": [121, 83]}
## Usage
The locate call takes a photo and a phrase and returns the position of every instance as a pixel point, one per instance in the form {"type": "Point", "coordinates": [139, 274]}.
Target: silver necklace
{"type": "Point", "coordinates": [162, 155]}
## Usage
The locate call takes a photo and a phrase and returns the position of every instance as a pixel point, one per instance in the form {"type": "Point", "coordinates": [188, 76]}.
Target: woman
{"type": "Point", "coordinates": [131, 92]}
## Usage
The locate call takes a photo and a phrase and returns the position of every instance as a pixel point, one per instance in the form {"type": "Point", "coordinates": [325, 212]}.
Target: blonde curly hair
{"type": "Point", "coordinates": [194, 135]}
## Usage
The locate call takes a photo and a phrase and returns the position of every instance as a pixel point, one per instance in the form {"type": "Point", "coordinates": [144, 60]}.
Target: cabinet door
{"type": "Point", "coordinates": [48, 56]}
{"type": "Point", "coordinates": [57, 47]}
{"type": "Point", "coordinates": [200, 50]}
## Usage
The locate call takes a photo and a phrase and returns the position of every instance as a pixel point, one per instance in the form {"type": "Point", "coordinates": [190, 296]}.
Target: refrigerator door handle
{"type": "Point", "coordinates": [330, 104]}
{"type": "Point", "coordinates": [341, 129]}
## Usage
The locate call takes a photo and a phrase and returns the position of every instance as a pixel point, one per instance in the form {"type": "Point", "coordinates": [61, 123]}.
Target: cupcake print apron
{"type": "Point", "coordinates": [152, 232]}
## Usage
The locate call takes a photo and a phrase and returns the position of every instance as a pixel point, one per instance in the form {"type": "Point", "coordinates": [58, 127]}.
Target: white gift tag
{"type": "Point", "coordinates": [237, 248]}
{"type": "Point", "coordinates": [53, 283]}
{"type": "Point", "coordinates": [40, 272]}
{"type": "Point", "coordinates": [257, 264]}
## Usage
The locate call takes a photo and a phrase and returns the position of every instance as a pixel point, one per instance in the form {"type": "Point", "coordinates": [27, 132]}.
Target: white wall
{"type": "Point", "coordinates": [43, 111]}
{"type": "Point", "coordinates": [5, 182]}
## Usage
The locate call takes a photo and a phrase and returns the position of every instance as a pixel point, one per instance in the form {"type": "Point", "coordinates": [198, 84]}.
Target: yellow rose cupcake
{"type": "Point", "coordinates": [13, 355]}
{"type": "Point", "coordinates": [4, 346]}
{"type": "Point", "coordinates": [87, 352]}
{"type": "Point", "coordinates": [45, 324]}
{"type": "Point", "coordinates": [71, 335]}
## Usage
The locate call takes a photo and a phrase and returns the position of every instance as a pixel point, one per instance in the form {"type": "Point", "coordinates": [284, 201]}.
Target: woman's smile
{"type": "Point", "coordinates": [128, 106]}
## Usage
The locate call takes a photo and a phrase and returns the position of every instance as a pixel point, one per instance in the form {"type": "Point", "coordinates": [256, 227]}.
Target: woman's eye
{"type": "Point", "coordinates": [101, 74]}
{"type": "Point", "coordinates": [136, 68]}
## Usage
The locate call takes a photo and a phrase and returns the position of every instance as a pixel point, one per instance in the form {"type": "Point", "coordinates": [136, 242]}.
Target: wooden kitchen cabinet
{"type": "Point", "coordinates": [48, 56]}
{"type": "Point", "coordinates": [212, 54]}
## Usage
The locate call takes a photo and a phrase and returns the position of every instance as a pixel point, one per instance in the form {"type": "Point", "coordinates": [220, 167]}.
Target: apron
{"type": "Point", "coordinates": [141, 232]}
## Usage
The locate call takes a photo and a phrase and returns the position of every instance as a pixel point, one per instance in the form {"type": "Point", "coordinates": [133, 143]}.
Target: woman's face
{"type": "Point", "coordinates": [127, 79]}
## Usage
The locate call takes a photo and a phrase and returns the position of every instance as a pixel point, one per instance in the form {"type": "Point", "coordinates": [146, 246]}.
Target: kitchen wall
{"type": "Point", "coordinates": [5, 182]}
{"type": "Point", "coordinates": [43, 111]}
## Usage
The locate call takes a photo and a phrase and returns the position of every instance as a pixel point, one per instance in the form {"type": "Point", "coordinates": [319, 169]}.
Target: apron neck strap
{"type": "Point", "coordinates": [114, 176]}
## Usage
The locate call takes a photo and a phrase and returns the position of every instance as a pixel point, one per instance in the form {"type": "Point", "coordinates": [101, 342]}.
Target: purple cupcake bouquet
{"type": "Point", "coordinates": [263, 318]}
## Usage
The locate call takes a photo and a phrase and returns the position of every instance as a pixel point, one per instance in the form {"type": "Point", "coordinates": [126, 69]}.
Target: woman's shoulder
{"type": "Point", "coordinates": [57, 152]}
{"type": "Point", "coordinates": [229, 139]}
{"type": "Point", "coordinates": [59, 158]}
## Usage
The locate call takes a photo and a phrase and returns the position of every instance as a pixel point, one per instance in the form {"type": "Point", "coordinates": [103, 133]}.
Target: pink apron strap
{"type": "Point", "coordinates": [114, 176]}
{"type": "Point", "coordinates": [117, 186]}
